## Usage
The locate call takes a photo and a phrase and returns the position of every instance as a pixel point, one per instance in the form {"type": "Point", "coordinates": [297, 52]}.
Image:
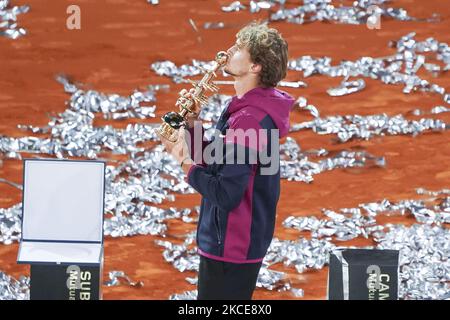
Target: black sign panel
{"type": "Point", "coordinates": [57, 282]}
{"type": "Point", "coordinates": [363, 274]}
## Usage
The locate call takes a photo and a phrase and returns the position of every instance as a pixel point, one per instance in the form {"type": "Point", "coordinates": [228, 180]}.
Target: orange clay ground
{"type": "Point", "coordinates": [112, 53]}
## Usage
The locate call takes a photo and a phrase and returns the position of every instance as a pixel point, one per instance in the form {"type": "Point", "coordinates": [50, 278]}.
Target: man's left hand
{"type": "Point", "coordinates": [179, 149]}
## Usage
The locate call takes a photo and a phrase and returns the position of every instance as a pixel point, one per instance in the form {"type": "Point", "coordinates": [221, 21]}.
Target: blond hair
{"type": "Point", "coordinates": [268, 49]}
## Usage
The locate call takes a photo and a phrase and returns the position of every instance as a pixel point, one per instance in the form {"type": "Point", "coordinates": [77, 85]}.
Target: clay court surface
{"type": "Point", "coordinates": [112, 53]}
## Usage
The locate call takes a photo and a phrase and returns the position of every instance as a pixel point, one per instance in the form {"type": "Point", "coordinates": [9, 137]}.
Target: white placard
{"type": "Point", "coordinates": [63, 200]}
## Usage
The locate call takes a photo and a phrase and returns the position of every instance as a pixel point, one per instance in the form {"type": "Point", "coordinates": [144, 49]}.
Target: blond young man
{"type": "Point", "coordinates": [239, 200]}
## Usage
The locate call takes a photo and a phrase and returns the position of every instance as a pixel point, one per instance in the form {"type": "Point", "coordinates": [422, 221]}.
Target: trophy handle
{"type": "Point", "coordinates": [173, 121]}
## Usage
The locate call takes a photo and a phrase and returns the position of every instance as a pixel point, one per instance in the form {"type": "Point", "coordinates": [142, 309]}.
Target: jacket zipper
{"type": "Point", "coordinates": [216, 217]}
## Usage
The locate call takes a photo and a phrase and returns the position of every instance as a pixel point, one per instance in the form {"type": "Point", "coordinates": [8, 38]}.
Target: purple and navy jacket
{"type": "Point", "coordinates": [238, 207]}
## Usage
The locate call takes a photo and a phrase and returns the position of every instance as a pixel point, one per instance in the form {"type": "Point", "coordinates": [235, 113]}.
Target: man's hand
{"type": "Point", "coordinates": [192, 117]}
{"type": "Point", "coordinates": [179, 149]}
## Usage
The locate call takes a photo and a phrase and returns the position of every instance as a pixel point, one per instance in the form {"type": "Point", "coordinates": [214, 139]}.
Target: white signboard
{"type": "Point", "coordinates": [63, 204]}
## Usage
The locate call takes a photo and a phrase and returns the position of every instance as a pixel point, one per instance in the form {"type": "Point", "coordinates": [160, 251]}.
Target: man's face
{"type": "Point", "coordinates": [239, 62]}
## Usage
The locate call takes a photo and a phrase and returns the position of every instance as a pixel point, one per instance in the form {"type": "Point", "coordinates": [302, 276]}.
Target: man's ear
{"type": "Point", "coordinates": [256, 68]}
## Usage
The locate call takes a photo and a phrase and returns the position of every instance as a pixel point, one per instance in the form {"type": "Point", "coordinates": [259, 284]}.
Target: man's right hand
{"type": "Point", "coordinates": [192, 117]}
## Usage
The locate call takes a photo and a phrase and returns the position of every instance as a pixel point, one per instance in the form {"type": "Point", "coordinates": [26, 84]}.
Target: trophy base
{"type": "Point", "coordinates": [168, 132]}
{"type": "Point", "coordinates": [172, 121]}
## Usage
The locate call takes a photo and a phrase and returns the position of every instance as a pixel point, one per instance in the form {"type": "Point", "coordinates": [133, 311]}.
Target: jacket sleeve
{"type": "Point", "coordinates": [227, 186]}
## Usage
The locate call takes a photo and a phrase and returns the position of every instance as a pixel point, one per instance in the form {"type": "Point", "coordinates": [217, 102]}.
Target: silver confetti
{"type": "Point", "coordinates": [432, 193]}
{"type": "Point", "coordinates": [424, 248]}
{"type": "Point", "coordinates": [347, 87]}
{"type": "Point", "coordinates": [10, 224]}
{"type": "Point", "coordinates": [349, 127]}
{"type": "Point", "coordinates": [424, 260]}
{"type": "Point", "coordinates": [302, 254]}
{"type": "Point", "coordinates": [169, 69]}
{"type": "Point", "coordinates": [303, 104]}
{"type": "Point", "coordinates": [188, 295]}
{"type": "Point", "coordinates": [8, 20]}
{"type": "Point", "coordinates": [12, 289]}
{"type": "Point", "coordinates": [181, 256]}
{"type": "Point", "coordinates": [360, 12]}
{"type": "Point", "coordinates": [399, 68]}
{"type": "Point", "coordinates": [234, 6]}
{"type": "Point", "coordinates": [353, 222]}
{"type": "Point", "coordinates": [184, 257]}
{"type": "Point", "coordinates": [296, 165]}
{"type": "Point", "coordinates": [93, 101]}
{"type": "Point", "coordinates": [147, 177]}
{"type": "Point", "coordinates": [213, 25]}
{"type": "Point", "coordinates": [256, 6]}
{"type": "Point", "coordinates": [115, 278]}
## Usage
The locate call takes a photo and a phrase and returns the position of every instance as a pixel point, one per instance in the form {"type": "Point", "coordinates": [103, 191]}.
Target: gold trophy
{"type": "Point", "coordinates": [172, 121]}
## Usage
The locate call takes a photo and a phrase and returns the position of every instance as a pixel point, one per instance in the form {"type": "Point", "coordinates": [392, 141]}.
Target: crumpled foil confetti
{"type": "Point", "coordinates": [346, 127]}
{"type": "Point", "coordinates": [178, 74]}
{"type": "Point", "coordinates": [73, 133]}
{"type": "Point", "coordinates": [360, 12]}
{"type": "Point", "coordinates": [399, 68]}
{"type": "Point", "coordinates": [424, 247]}
{"type": "Point", "coordinates": [8, 20]}
{"type": "Point", "coordinates": [214, 25]}
{"type": "Point", "coordinates": [349, 127]}
{"type": "Point", "coordinates": [234, 6]}
{"type": "Point", "coordinates": [434, 110]}
{"type": "Point", "coordinates": [115, 278]}
{"type": "Point", "coordinates": [184, 257]}
{"type": "Point", "coordinates": [302, 254]}
{"type": "Point", "coordinates": [169, 69]}
{"type": "Point", "coordinates": [113, 106]}
{"type": "Point", "coordinates": [323, 10]}
{"type": "Point", "coordinates": [187, 295]}
{"type": "Point", "coordinates": [353, 222]}
{"type": "Point", "coordinates": [125, 200]}
{"type": "Point", "coordinates": [150, 175]}
{"type": "Point", "coordinates": [302, 103]}
{"type": "Point", "coordinates": [212, 111]}
{"type": "Point", "coordinates": [424, 260]}
{"type": "Point", "coordinates": [12, 289]}
{"type": "Point", "coordinates": [10, 224]}
{"type": "Point", "coordinates": [269, 280]}
{"type": "Point", "coordinates": [347, 87]}
{"type": "Point", "coordinates": [295, 165]}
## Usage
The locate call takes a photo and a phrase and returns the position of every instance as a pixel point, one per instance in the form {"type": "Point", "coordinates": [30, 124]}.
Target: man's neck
{"type": "Point", "coordinates": [242, 86]}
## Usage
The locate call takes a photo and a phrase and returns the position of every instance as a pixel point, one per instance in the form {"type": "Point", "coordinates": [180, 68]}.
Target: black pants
{"type": "Point", "coordinates": [219, 280]}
